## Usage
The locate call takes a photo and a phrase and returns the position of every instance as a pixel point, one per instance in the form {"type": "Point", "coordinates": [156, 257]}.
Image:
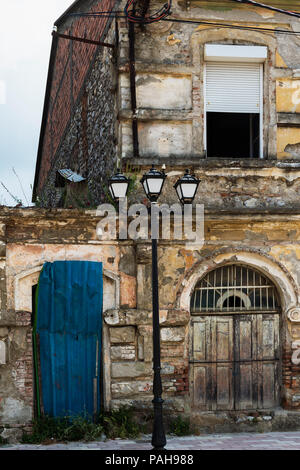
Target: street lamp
{"type": "Point", "coordinates": [186, 188]}
{"type": "Point", "coordinates": [118, 185]}
{"type": "Point", "coordinates": [153, 182]}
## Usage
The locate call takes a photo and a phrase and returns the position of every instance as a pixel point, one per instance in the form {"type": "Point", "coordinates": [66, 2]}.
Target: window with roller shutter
{"type": "Point", "coordinates": [234, 101]}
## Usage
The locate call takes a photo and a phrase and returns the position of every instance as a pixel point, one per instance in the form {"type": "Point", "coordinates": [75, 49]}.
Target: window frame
{"type": "Point", "coordinates": [261, 110]}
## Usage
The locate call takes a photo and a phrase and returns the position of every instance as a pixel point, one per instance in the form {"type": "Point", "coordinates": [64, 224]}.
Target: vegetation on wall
{"type": "Point", "coordinates": [116, 423]}
{"type": "Point", "coordinates": [180, 426]}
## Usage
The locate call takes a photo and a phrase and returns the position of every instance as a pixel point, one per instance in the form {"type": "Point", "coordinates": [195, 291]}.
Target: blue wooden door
{"type": "Point", "coordinates": [68, 326]}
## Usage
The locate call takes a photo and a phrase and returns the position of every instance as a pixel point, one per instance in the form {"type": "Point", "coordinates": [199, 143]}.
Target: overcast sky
{"type": "Point", "coordinates": [25, 41]}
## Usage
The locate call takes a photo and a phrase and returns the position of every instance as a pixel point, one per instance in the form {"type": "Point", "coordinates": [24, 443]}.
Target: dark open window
{"type": "Point", "coordinates": [233, 135]}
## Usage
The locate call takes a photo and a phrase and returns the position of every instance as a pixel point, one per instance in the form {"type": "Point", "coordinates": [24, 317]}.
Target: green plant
{"type": "Point", "coordinates": [132, 173]}
{"type": "Point", "coordinates": [2, 441]}
{"type": "Point", "coordinates": [78, 197]}
{"type": "Point", "coordinates": [82, 429]}
{"type": "Point", "coordinates": [63, 429]}
{"type": "Point", "coordinates": [180, 426]}
{"type": "Point", "coordinates": [116, 423]}
{"type": "Point", "coordinates": [120, 423]}
{"type": "Point", "coordinates": [40, 201]}
{"type": "Point", "coordinates": [108, 197]}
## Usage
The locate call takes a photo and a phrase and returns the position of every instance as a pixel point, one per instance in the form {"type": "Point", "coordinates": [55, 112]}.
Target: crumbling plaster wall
{"type": "Point", "coordinates": [269, 243]}
{"type": "Point", "coordinates": [170, 109]}
{"type": "Point", "coordinates": [170, 100]}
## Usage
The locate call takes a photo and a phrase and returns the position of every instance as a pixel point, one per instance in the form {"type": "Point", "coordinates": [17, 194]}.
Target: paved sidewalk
{"type": "Point", "coordinates": [243, 441]}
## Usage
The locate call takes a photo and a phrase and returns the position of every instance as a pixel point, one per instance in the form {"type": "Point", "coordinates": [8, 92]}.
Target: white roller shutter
{"type": "Point", "coordinates": [233, 87]}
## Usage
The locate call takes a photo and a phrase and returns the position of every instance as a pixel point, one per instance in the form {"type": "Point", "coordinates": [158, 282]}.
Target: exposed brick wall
{"type": "Point", "coordinates": [89, 143]}
{"type": "Point", "coordinates": [72, 64]}
{"type": "Point", "coordinates": [290, 380]}
{"type": "Point", "coordinates": [24, 364]}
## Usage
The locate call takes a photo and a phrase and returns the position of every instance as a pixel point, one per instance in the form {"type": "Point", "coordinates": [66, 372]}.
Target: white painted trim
{"type": "Point", "coordinates": [17, 280]}
{"type": "Point", "coordinates": [116, 278]}
{"type": "Point", "coordinates": [261, 114]}
{"type": "Point", "coordinates": [232, 53]}
{"type": "Point", "coordinates": [234, 293]}
{"type": "Point", "coordinates": [205, 119]}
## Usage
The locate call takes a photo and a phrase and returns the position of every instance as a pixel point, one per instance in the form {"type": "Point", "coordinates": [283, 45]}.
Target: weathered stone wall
{"type": "Point", "coordinates": [170, 101]}
{"type": "Point", "coordinates": [269, 243]}
{"type": "Point", "coordinates": [170, 80]}
{"type": "Point", "coordinates": [72, 63]}
{"type": "Point", "coordinates": [170, 110]}
{"type": "Point", "coordinates": [233, 185]}
{"type": "Point", "coordinates": [89, 144]}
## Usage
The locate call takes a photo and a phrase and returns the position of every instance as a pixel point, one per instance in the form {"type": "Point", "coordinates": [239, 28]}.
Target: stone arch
{"type": "Point", "coordinates": [25, 280]}
{"type": "Point", "coordinates": [285, 284]}
{"type": "Point", "coordinates": [287, 290]}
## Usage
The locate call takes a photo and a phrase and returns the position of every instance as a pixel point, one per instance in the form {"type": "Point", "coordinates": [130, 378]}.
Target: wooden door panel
{"type": "Point", "coordinates": [202, 395]}
{"type": "Point", "coordinates": [244, 386]}
{"type": "Point", "coordinates": [245, 337]}
{"type": "Point", "coordinates": [224, 399]}
{"type": "Point", "coordinates": [268, 337]}
{"type": "Point", "coordinates": [213, 386]}
{"type": "Point", "coordinates": [236, 361]}
{"type": "Point", "coordinates": [223, 338]}
{"type": "Point", "coordinates": [268, 385]}
{"type": "Point", "coordinates": [201, 340]}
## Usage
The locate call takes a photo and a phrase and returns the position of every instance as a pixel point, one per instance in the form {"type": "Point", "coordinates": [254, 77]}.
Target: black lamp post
{"type": "Point", "coordinates": [186, 188]}
{"type": "Point", "coordinates": [118, 185]}
{"type": "Point", "coordinates": [153, 182]}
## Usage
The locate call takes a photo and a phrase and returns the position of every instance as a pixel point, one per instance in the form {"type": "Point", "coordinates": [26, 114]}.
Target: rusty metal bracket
{"type": "Point", "coordinates": [87, 41]}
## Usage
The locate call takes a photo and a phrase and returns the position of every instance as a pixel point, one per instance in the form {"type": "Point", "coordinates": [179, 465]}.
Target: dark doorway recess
{"type": "Point", "coordinates": [232, 135]}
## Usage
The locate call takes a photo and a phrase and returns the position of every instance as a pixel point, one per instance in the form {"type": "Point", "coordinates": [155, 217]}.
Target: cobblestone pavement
{"type": "Point", "coordinates": [243, 441]}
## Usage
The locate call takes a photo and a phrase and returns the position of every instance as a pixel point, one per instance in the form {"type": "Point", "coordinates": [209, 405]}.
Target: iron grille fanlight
{"type": "Point", "coordinates": [234, 288]}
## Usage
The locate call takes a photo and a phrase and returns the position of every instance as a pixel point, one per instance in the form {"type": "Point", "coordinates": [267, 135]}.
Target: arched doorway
{"type": "Point", "coordinates": [235, 340]}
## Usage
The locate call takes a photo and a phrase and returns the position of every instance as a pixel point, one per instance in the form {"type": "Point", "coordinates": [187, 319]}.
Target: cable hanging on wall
{"type": "Point", "coordinates": [268, 7]}
{"type": "Point", "coordinates": [136, 15]}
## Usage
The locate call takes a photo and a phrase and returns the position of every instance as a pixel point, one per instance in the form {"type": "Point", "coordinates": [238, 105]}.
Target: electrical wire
{"type": "Point", "coordinates": [268, 7]}
{"type": "Point", "coordinates": [137, 16]}
{"type": "Point", "coordinates": [232, 26]}
{"type": "Point", "coordinates": [112, 14]}
{"type": "Point", "coordinates": [166, 11]}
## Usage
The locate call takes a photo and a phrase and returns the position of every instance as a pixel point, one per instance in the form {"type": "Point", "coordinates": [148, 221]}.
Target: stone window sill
{"type": "Point", "coordinates": [196, 162]}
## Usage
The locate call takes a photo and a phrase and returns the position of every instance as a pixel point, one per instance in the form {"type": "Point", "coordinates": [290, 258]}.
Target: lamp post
{"type": "Point", "coordinates": [186, 188]}
{"type": "Point", "coordinates": [153, 182]}
{"type": "Point", "coordinates": [118, 185]}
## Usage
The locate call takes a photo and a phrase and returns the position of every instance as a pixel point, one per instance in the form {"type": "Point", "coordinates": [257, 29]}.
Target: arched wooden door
{"type": "Point", "coordinates": [235, 341]}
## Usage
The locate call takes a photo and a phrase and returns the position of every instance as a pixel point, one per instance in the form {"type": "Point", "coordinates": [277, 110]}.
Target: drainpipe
{"type": "Point", "coordinates": [131, 35]}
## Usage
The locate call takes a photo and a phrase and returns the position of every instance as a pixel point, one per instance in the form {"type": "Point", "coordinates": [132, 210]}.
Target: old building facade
{"type": "Point", "coordinates": [215, 89]}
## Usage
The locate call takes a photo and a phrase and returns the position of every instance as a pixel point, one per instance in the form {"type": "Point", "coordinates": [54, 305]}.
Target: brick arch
{"type": "Point", "coordinates": [287, 288]}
